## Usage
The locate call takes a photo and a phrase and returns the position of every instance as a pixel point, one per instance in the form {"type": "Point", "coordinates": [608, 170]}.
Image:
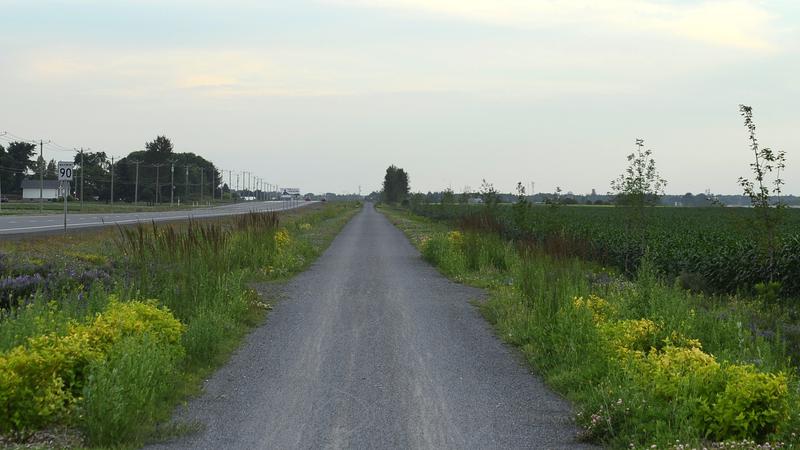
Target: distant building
{"type": "Point", "coordinates": [50, 189]}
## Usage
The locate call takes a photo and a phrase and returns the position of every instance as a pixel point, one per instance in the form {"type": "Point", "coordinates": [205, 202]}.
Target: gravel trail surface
{"type": "Point", "coordinates": [373, 348]}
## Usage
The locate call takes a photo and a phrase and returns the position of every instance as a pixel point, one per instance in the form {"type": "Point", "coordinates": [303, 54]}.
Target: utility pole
{"type": "Point", "coordinates": [136, 185]}
{"type": "Point", "coordinates": [112, 184]}
{"type": "Point", "coordinates": [201, 185]}
{"type": "Point", "coordinates": [41, 176]}
{"type": "Point", "coordinates": [171, 182]}
{"type": "Point", "coordinates": [186, 186]}
{"type": "Point", "coordinates": [82, 172]}
{"type": "Point", "coordinates": [158, 185]}
{"type": "Point", "coordinates": [230, 187]}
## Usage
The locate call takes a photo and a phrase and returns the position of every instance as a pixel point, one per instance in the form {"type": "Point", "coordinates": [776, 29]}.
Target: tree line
{"type": "Point", "coordinates": [160, 171]}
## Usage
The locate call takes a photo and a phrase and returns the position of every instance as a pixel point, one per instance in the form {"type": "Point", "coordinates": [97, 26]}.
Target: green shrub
{"type": "Point", "coordinates": [42, 381]}
{"type": "Point", "coordinates": [752, 404]}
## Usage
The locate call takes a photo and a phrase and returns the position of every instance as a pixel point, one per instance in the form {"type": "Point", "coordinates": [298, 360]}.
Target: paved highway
{"type": "Point", "coordinates": [372, 348]}
{"type": "Point", "coordinates": [25, 224]}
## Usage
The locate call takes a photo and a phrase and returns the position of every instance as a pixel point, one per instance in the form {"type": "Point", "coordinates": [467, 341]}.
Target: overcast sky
{"type": "Point", "coordinates": [324, 95]}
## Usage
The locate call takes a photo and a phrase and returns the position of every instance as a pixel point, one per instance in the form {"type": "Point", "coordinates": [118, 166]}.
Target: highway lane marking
{"type": "Point", "coordinates": [118, 222]}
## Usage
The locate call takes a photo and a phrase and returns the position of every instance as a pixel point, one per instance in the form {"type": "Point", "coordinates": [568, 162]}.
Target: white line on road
{"type": "Point", "coordinates": [135, 220]}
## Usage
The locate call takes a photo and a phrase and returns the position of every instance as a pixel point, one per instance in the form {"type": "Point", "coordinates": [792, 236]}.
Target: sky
{"type": "Point", "coordinates": [325, 94]}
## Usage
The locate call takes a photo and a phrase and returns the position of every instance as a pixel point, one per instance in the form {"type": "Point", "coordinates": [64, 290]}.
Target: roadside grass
{"type": "Point", "coordinates": [197, 272]}
{"type": "Point", "coordinates": [649, 365]}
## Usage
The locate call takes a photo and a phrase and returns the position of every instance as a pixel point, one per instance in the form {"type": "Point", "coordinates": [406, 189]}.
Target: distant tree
{"type": "Point", "coordinates": [640, 184]}
{"type": "Point", "coordinates": [489, 194]}
{"type": "Point", "coordinates": [156, 163]}
{"type": "Point", "coordinates": [50, 173]}
{"type": "Point", "coordinates": [448, 197]}
{"type": "Point", "coordinates": [555, 200]}
{"type": "Point", "coordinates": [96, 176]}
{"type": "Point", "coordinates": [161, 146]}
{"type": "Point", "coordinates": [521, 208]}
{"type": "Point", "coordinates": [417, 200]}
{"type": "Point", "coordinates": [17, 160]}
{"type": "Point", "coordinates": [395, 185]}
{"type": "Point", "coordinates": [638, 187]}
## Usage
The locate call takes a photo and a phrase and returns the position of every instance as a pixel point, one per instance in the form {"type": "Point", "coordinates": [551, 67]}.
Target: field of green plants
{"type": "Point", "coordinates": [647, 363]}
{"type": "Point", "coordinates": [102, 333]}
{"type": "Point", "coordinates": [709, 249]}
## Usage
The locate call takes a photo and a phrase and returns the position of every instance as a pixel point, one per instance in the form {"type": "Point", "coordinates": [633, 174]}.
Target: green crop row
{"type": "Point", "coordinates": [707, 249]}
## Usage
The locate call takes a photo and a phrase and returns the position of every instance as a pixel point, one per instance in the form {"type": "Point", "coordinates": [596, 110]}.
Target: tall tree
{"type": "Point", "coordinates": [395, 185]}
{"type": "Point", "coordinates": [50, 173]}
{"type": "Point", "coordinates": [17, 159]}
{"type": "Point", "coordinates": [161, 146]}
{"type": "Point", "coordinates": [95, 174]}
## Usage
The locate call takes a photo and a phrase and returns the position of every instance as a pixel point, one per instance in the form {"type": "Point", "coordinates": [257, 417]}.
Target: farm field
{"type": "Point", "coordinates": [710, 249]}
{"type": "Point", "coordinates": [647, 363]}
{"type": "Point", "coordinates": [103, 332]}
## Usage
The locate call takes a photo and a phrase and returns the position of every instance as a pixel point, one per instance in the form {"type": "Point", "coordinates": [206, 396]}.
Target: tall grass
{"type": "Point", "coordinates": [126, 393]}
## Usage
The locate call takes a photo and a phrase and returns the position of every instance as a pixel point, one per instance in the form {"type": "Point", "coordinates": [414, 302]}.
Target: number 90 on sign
{"type": "Point", "coordinates": [65, 170]}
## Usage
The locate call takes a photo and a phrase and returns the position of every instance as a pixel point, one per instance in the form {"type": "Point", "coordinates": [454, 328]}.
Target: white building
{"type": "Point", "coordinates": [50, 189]}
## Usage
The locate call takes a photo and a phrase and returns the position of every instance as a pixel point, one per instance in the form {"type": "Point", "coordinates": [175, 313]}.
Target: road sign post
{"type": "Point", "coordinates": [65, 169]}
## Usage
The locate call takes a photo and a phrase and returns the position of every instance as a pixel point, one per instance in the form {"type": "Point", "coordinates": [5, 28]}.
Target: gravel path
{"type": "Point", "coordinates": [372, 348]}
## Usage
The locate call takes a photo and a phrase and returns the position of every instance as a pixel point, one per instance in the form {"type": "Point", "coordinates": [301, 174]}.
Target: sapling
{"type": "Point", "coordinates": [639, 187]}
{"type": "Point", "coordinates": [764, 190]}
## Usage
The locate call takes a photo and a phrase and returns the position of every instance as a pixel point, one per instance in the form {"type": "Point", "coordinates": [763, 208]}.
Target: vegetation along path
{"type": "Point", "coordinates": [373, 348]}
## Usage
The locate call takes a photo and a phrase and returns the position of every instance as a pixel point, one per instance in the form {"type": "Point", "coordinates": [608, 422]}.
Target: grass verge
{"type": "Point", "coordinates": [648, 365]}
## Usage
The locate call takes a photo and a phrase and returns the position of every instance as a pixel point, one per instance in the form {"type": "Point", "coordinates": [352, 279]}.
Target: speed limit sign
{"type": "Point", "coordinates": [65, 170]}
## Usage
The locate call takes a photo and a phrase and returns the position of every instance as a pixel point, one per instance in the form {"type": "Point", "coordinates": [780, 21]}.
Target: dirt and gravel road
{"type": "Point", "coordinates": [373, 348]}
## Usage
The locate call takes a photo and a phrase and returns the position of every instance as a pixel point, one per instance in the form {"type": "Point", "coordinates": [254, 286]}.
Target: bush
{"type": "Point", "coordinates": [752, 404]}
{"type": "Point", "coordinates": [723, 401]}
{"type": "Point", "coordinates": [42, 381]}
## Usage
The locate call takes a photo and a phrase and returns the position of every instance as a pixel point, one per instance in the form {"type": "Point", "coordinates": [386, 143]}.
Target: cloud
{"type": "Point", "coordinates": [134, 73]}
{"type": "Point", "coordinates": [742, 24]}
